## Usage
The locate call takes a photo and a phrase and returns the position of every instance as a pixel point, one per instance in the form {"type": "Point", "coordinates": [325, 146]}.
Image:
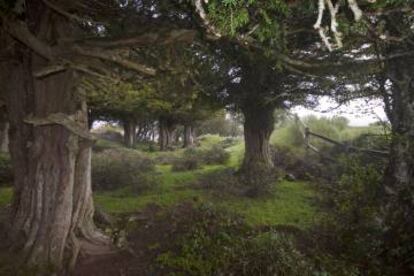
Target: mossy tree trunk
{"type": "Point", "coordinates": [52, 208]}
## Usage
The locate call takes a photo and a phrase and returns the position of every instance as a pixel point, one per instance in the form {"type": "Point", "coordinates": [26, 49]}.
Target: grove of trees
{"type": "Point", "coordinates": [149, 63]}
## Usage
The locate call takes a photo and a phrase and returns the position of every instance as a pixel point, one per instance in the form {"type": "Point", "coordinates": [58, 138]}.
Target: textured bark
{"type": "Point", "coordinates": [166, 134]}
{"type": "Point", "coordinates": [188, 136]}
{"type": "Point", "coordinates": [4, 130]}
{"type": "Point", "coordinates": [52, 208]}
{"type": "Point", "coordinates": [130, 128]}
{"type": "Point", "coordinates": [399, 178]}
{"type": "Point", "coordinates": [258, 126]}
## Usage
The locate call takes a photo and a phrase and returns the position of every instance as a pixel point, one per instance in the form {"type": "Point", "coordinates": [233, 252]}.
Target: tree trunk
{"type": "Point", "coordinates": [188, 136]}
{"type": "Point", "coordinates": [4, 130]}
{"type": "Point", "coordinates": [52, 207]}
{"type": "Point", "coordinates": [130, 128]}
{"type": "Point", "coordinates": [258, 126]}
{"type": "Point", "coordinates": [399, 178]}
{"type": "Point", "coordinates": [166, 133]}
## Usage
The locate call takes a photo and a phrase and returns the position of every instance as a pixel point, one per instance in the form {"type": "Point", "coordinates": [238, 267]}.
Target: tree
{"type": "Point", "coordinates": [50, 145]}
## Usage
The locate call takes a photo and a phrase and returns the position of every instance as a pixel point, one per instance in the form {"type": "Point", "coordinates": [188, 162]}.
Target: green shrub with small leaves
{"type": "Point", "coordinates": [118, 168]}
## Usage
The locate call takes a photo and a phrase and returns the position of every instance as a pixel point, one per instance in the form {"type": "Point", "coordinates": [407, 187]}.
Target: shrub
{"type": "Point", "coordinates": [353, 214]}
{"type": "Point", "coordinates": [302, 166]}
{"type": "Point", "coordinates": [215, 155]}
{"type": "Point", "coordinates": [113, 169]}
{"type": "Point", "coordinates": [270, 253]}
{"type": "Point", "coordinates": [217, 242]}
{"type": "Point", "coordinates": [192, 158]}
{"type": "Point", "coordinates": [222, 181]}
{"type": "Point", "coordinates": [6, 171]}
{"type": "Point", "coordinates": [189, 161]}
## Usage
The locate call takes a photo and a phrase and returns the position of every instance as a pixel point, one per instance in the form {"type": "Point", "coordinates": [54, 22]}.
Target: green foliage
{"type": "Point", "coordinates": [189, 161]}
{"type": "Point", "coordinates": [219, 125]}
{"type": "Point", "coordinates": [220, 243]}
{"type": "Point", "coordinates": [6, 170]}
{"type": "Point", "coordinates": [207, 245]}
{"type": "Point", "coordinates": [5, 196]}
{"type": "Point", "coordinates": [270, 253]}
{"type": "Point", "coordinates": [192, 158]}
{"type": "Point", "coordinates": [354, 213]}
{"type": "Point", "coordinates": [114, 169]}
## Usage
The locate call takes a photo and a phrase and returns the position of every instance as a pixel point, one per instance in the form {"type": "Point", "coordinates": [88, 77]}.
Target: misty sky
{"type": "Point", "coordinates": [359, 112]}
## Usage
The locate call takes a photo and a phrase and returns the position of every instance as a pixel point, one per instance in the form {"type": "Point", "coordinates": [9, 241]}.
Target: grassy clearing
{"type": "Point", "coordinates": [291, 203]}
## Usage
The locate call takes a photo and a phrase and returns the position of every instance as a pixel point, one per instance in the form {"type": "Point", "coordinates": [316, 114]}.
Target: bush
{"type": "Point", "coordinates": [353, 215]}
{"type": "Point", "coordinates": [217, 242]}
{"type": "Point", "coordinates": [189, 161]}
{"type": "Point", "coordinates": [114, 169]}
{"type": "Point", "coordinates": [6, 170]}
{"type": "Point", "coordinates": [215, 155]}
{"type": "Point", "coordinates": [193, 158]}
{"type": "Point", "coordinates": [302, 166]}
{"type": "Point", "coordinates": [270, 253]}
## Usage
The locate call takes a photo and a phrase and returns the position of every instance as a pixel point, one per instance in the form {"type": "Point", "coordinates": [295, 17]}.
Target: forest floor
{"type": "Point", "coordinates": [148, 227]}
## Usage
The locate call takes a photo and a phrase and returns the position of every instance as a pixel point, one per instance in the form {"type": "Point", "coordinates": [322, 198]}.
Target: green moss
{"type": "Point", "coordinates": [5, 196]}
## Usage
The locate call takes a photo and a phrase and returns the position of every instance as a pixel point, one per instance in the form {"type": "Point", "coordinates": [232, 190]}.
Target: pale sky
{"type": "Point", "coordinates": [359, 112]}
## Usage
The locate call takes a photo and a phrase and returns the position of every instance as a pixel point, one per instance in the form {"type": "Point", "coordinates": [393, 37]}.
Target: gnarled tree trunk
{"type": "Point", "coordinates": [258, 126]}
{"type": "Point", "coordinates": [52, 208]}
{"type": "Point", "coordinates": [130, 128]}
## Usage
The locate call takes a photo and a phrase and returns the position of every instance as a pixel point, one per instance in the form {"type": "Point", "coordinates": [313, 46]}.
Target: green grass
{"type": "Point", "coordinates": [290, 204]}
{"type": "Point", "coordinates": [5, 196]}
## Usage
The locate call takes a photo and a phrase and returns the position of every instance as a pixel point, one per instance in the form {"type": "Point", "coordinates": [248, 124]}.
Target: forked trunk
{"type": "Point", "coordinates": [258, 126]}
{"type": "Point", "coordinates": [52, 208]}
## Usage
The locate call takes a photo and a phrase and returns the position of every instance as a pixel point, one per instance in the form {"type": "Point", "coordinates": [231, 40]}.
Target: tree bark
{"type": "Point", "coordinates": [130, 129]}
{"type": "Point", "coordinates": [399, 177]}
{"type": "Point", "coordinates": [4, 130]}
{"type": "Point", "coordinates": [258, 126]}
{"type": "Point", "coordinates": [188, 136]}
{"type": "Point", "coordinates": [52, 207]}
{"type": "Point", "coordinates": [166, 134]}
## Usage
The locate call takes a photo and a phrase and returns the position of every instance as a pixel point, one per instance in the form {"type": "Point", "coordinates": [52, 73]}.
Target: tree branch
{"type": "Point", "coordinates": [96, 53]}
{"type": "Point", "coordinates": [20, 32]}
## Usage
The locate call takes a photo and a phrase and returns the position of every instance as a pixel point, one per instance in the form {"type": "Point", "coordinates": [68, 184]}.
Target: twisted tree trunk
{"type": "Point", "coordinates": [52, 207]}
